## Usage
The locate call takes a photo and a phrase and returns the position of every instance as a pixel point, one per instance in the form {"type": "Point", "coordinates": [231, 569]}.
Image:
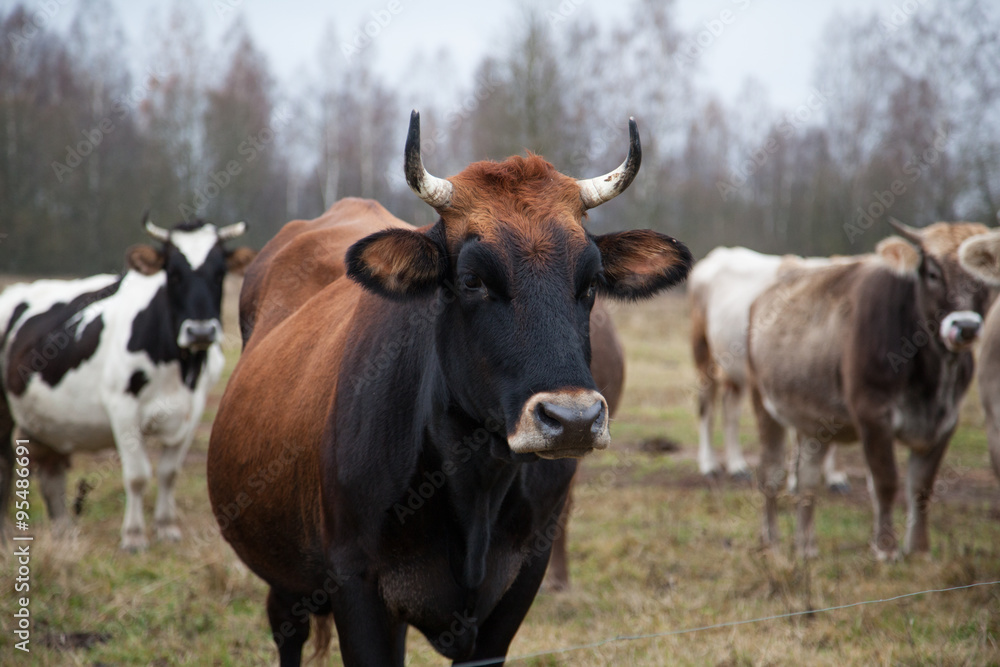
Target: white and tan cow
{"type": "Point", "coordinates": [116, 361]}
{"type": "Point", "coordinates": [721, 288]}
{"type": "Point", "coordinates": [877, 351]}
{"type": "Point", "coordinates": [980, 255]}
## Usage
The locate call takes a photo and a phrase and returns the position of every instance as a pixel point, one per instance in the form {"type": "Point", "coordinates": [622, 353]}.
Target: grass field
{"type": "Point", "coordinates": [653, 548]}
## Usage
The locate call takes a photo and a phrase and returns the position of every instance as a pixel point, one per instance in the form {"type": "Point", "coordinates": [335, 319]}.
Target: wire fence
{"type": "Point", "coordinates": [716, 626]}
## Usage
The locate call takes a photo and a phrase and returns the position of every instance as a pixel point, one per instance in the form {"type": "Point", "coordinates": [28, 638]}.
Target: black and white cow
{"type": "Point", "coordinates": [117, 360]}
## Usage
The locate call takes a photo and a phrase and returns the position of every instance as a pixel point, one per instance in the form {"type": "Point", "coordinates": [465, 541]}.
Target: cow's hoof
{"type": "Point", "coordinates": [553, 585]}
{"type": "Point", "coordinates": [134, 542]}
{"type": "Point", "coordinates": [886, 555]}
{"type": "Point", "coordinates": [839, 488]}
{"type": "Point", "coordinates": [169, 532]}
{"type": "Point", "coordinates": [711, 474]}
{"type": "Point", "coordinates": [808, 553]}
{"type": "Point", "coordinates": [741, 475]}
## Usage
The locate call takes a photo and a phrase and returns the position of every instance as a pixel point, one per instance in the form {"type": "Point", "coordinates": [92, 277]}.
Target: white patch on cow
{"type": "Point", "coordinates": [195, 245]}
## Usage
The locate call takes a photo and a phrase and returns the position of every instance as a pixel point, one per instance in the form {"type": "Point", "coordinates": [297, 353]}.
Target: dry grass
{"type": "Point", "coordinates": [653, 549]}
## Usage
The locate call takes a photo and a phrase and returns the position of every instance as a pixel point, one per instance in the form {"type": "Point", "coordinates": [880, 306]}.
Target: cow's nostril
{"type": "Point", "coordinates": [561, 418]}
{"type": "Point", "coordinates": [548, 418]}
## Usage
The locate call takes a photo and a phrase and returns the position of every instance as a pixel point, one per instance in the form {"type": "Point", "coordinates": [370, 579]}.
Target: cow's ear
{"type": "Point", "coordinates": [144, 258]}
{"type": "Point", "coordinates": [397, 263]}
{"type": "Point", "coordinates": [641, 262]}
{"type": "Point", "coordinates": [237, 260]}
{"type": "Point", "coordinates": [902, 256]}
{"type": "Point", "coordinates": [980, 256]}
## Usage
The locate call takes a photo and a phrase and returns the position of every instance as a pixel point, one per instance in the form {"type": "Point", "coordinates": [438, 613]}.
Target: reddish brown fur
{"type": "Point", "coordinates": [516, 192]}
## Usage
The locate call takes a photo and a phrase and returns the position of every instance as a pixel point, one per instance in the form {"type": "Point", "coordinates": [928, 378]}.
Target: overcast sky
{"type": "Point", "coordinates": [772, 40]}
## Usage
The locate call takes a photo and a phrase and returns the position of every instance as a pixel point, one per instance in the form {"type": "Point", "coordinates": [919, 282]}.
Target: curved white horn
{"type": "Point", "coordinates": [433, 190]}
{"type": "Point", "coordinates": [596, 191]}
{"type": "Point", "coordinates": [231, 231]}
{"type": "Point", "coordinates": [158, 233]}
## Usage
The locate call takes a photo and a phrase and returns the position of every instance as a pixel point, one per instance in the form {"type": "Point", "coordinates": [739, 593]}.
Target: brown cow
{"type": "Point", "coordinates": [871, 351]}
{"type": "Point", "coordinates": [980, 256]}
{"type": "Point", "coordinates": [390, 446]}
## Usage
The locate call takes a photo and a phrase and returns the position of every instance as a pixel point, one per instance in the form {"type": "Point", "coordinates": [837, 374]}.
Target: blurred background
{"type": "Point", "coordinates": [781, 126]}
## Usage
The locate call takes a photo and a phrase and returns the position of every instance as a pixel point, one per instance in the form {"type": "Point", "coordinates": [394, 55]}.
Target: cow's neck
{"type": "Point", "coordinates": [153, 333]}
{"type": "Point", "coordinates": [477, 489]}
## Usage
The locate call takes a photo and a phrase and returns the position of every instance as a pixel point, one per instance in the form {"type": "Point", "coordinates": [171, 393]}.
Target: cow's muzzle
{"type": "Point", "coordinates": [959, 330]}
{"type": "Point", "coordinates": [198, 335]}
{"type": "Point", "coordinates": [561, 424]}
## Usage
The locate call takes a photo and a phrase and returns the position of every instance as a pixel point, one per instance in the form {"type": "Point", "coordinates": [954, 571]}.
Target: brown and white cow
{"type": "Point", "coordinates": [721, 288]}
{"type": "Point", "coordinates": [876, 351]}
{"type": "Point", "coordinates": [390, 446]}
{"type": "Point", "coordinates": [980, 256]}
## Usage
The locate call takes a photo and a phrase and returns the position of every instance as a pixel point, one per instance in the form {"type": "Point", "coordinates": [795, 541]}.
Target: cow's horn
{"type": "Point", "coordinates": [596, 191]}
{"type": "Point", "coordinates": [907, 232]}
{"type": "Point", "coordinates": [232, 231]}
{"type": "Point", "coordinates": [158, 233]}
{"type": "Point", "coordinates": [433, 190]}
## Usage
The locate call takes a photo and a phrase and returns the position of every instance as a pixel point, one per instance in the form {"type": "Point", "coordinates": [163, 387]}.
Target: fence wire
{"type": "Point", "coordinates": [716, 626]}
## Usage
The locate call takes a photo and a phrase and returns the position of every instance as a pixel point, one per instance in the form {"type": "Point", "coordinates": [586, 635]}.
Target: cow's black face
{"type": "Point", "coordinates": [514, 340]}
{"type": "Point", "coordinates": [195, 263]}
{"type": "Point", "coordinates": [195, 296]}
{"type": "Point", "coordinates": [513, 333]}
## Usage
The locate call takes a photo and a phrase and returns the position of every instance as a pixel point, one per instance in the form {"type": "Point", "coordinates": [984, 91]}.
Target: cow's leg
{"type": "Point", "coordinates": [706, 407]}
{"type": "Point", "coordinates": [289, 620]}
{"type": "Point", "coordinates": [706, 390]}
{"type": "Point", "coordinates": [732, 395]}
{"type": "Point", "coordinates": [923, 467]}
{"type": "Point", "coordinates": [771, 471]}
{"type": "Point", "coordinates": [169, 466]}
{"type": "Point", "coordinates": [557, 576]}
{"type": "Point", "coordinates": [497, 631]}
{"type": "Point", "coordinates": [368, 635]}
{"type": "Point", "coordinates": [51, 467]}
{"type": "Point", "coordinates": [836, 480]}
{"type": "Point", "coordinates": [6, 463]}
{"type": "Point", "coordinates": [883, 482]}
{"type": "Point", "coordinates": [136, 471]}
{"type": "Point", "coordinates": [810, 459]}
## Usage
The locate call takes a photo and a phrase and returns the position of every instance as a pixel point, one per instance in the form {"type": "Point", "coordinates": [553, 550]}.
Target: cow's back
{"type": "Point", "coordinates": [302, 259]}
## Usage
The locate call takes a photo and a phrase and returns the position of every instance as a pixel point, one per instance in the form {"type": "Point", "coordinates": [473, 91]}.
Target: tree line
{"type": "Point", "coordinates": [903, 120]}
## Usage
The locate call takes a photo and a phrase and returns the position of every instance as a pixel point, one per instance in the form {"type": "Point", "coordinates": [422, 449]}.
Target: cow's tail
{"type": "Point", "coordinates": [322, 634]}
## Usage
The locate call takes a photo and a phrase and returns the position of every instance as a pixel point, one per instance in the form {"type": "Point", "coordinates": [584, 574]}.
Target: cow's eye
{"type": "Point", "coordinates": [933, 274]}
{"type": "Point", "coordinates": [592, 287]}
{"type": "Point", "coordinates": [471, 281]}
